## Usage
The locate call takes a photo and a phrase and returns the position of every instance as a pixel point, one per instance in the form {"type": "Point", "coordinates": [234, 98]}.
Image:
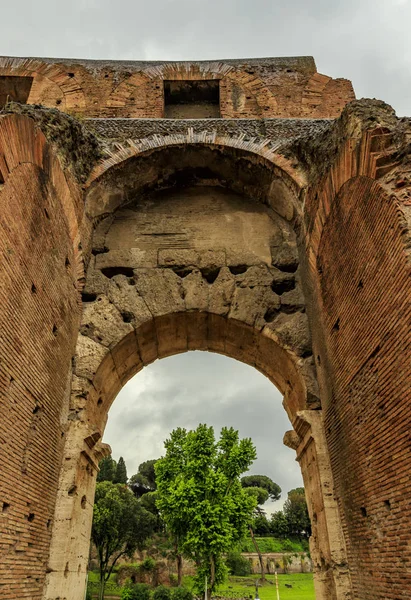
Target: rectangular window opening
{"type": "Point", "coordinates": [14, 89]}
{"type": "Point", "coordinates": [198, 99]}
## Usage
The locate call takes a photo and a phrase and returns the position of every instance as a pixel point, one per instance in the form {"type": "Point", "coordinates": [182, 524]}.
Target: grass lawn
{"type": "Point", "coordinates": [242, 587]}
{"type": "Point", "coordinates": [302, 587]}
{"type": "Point", "coordinates": [112, 588]}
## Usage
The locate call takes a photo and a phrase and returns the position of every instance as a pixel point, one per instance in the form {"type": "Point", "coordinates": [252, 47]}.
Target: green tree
{"type": "Point", "coordinates": [262, 488]}
{"type": "Point", "coordinates": [107, 471]}
{"type": "Point", "coordinates": [261, 525]}
{"type": "Point", "coordinates": [264, 482]}
{"type": "Point", "coordinates": [201, 499]}
{"type": "Point", "coordinates": [120, 526]}
{"type": "Point", "coordinates": [121, 472]}
{"type": "Point", "coordinates": [237, 564]}
{"type": "Point", "coordinates": [279, 524]}
{"type": "Point", "coordinates": [144, 481]}
{"type": "Point", "coordinates": [296, 512]}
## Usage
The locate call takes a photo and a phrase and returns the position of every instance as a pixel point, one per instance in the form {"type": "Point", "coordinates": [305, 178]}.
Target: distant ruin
{"type": "Point", "coordinates": [250, 207]}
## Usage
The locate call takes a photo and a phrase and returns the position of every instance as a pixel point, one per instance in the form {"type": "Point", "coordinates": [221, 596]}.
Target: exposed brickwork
{"type": "Point", "coordinates": [38, 322]}
{"type": "Point", "coordinates": [362, 344]}
{"type": "Point", "coordinates": [371, 352]}
{"type": "Point", "coordinates": [234, 235]}
{"type": "Point", "coordinates": [250, 88]}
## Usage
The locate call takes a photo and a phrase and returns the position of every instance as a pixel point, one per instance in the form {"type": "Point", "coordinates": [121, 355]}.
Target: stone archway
{"type": "Point", "coordinates": [193, 249]}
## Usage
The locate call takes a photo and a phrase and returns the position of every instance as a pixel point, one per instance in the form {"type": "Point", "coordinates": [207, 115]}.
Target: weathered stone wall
{"type": "Point", "coordinates": [40, 274]}
{"type": "Point", "coordinates": [282, 562]}
{"type": "Point", "coordinates": [250, 88]}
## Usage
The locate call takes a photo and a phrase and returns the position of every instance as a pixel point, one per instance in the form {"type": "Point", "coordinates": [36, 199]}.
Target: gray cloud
{"type": "Point", "coordinates": [199, 387]}
{"type": "Point", "coordinates": [364, 40]}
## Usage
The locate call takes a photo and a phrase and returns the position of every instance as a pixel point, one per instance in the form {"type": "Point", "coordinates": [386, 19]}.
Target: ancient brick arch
{"type": "Point", "coordinates": [245, 165]}
{"type": "Point", "coordinates": [240, 296]}
{"type": "Point", "coordinates": [52, 84]}
{"type": "Point", "coordinates": [237, 88]}
{"type": "Point", "coordinates": [282, 242]}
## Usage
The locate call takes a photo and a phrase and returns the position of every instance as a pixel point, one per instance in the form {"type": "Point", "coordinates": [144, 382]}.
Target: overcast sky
{"type": "Point", "coordinates": [200, 387]}
{"type": "Point", "coordinates": [366, 41]}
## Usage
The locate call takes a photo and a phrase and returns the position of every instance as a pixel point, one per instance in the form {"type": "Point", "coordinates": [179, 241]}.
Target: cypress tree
{"type": "Point", "coordinates": [107, 468]}
{"type": "Point", "coordinates": [121, 472]}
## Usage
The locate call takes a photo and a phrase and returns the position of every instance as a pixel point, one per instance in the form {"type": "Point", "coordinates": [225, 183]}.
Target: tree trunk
{"type": "Point", "coordinates": [212, 577]}
{"type": "Point", "coordinates": [102, 586]}
{"type": "Point", "coordinates": [260, 556]}
{"type": "Point", "coordinates": [179, 569]}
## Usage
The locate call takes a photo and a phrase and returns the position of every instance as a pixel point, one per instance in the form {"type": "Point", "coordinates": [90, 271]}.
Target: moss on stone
{"type": "Point", "coordinates": [317, 152]}
{"type": "Point", "coordinates": [78, 148]}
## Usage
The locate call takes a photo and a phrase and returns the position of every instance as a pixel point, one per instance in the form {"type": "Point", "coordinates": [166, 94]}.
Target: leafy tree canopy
{"type": "Point", "coordinates": [279, 524]}
{"type": "Point", "coordinates": [296, 512]}
{"type": "Point", "coordinates": [144, 481]}
{"type": "Point", "coordinates": [263, 482]}
{"type": "Point", "coordinates": [120, 526]}
{"type": "Point", "coordinates": [260, 494]}
{"type": "Point", "coordinates": [200, 496]}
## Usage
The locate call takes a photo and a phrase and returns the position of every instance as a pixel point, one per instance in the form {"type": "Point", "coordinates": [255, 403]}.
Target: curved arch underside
{"type": "Point", "coordinates": [193, 266]}
{"type": "Point", "coordinates": [177, 333]}
{"type": "Point", "coordinates": [248, 168]}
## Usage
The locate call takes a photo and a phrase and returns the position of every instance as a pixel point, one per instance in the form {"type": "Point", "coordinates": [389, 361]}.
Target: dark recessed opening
{"type": "Point", "coordinates": [363, 511]}
{"type": "Point", "coordinates": [336, 326]}
{"type": "Point", "coordinates": [31, 517]}
{"type": "Point", "coordinates": [238, 269]}
{"type": "Point", "coordinates": [85, 297]}
{"type": "Point", "coordinates": [210, 274]}
{"type": "Point", "coordinates": [127, 316]}
{"type": "Point", "coordinates": [281, 287]}
{"type": "Point", "coordinates": [198, 99]}
{"type": "Point", "coordinates": [270, 315]}
{"type": "Point", "coordinates": [6, 507]}
{"type": "Point", "coordinates": [14, 89]}
{"type": "Point", "coordinates": [72, 490]}
{"type": "Point", "coordinates": [113, 271]}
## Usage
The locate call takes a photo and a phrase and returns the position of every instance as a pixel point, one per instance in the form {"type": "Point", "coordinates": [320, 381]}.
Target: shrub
{"type": "Point", "coordinates": [139, 591]}
{"type": "Point", "coordinates": [88, 595]}
{"type": "Point", "coordinates": [237, 564]}
{"type": "Point", "coordinates": [148, 564]}
{"type": "Point", "coordinates": [162, 593]}
{"type": "Point", "coordinates": [173, 579]}
{"type": "Point", "coordinates": [181, 593]}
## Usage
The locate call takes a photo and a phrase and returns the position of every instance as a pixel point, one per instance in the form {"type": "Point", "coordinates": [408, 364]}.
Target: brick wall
{"type": "Point", "coordinates": [38, 320]}
{"type": "Point", "coordinates": [249, 88]}
{"type": "Point", "coordinates": [365, 290]}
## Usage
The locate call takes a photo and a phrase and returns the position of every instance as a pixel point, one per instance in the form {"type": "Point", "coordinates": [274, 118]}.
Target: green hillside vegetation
{"type": "Point", "coordinates": [272, 544]}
